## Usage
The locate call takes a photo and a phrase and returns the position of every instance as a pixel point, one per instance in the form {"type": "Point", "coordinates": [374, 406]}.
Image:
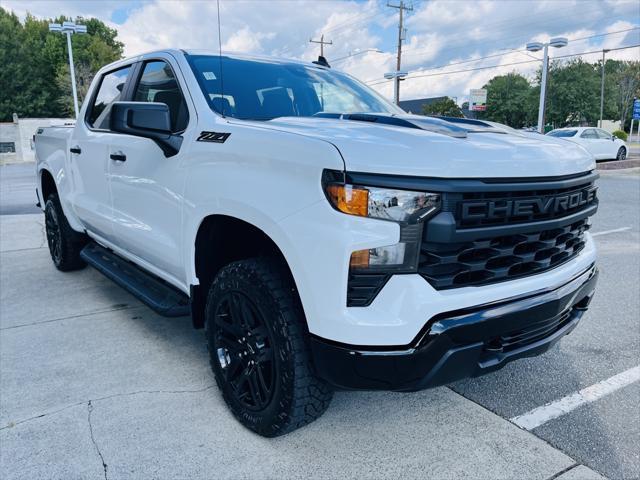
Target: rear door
{"type": "Point", "coordinates": [590, 140]}
{"type": "Point", "coordinates": [608, 146]}
{"type": "Point", "coordinates": [88, 156]}
{"type": "Point", "coordinates": [147, 186]}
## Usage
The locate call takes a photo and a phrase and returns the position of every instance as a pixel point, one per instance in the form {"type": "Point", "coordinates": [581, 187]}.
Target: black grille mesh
{"type": "Point", "coordinates": [490, 260]}
{"type": "Point", "coordinates": [363, 288]}
{"type": "Point", "coordinates": [532, 332]}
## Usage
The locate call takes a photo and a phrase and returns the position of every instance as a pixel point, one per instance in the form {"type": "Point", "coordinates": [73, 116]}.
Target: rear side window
{"type": "Point", "coordinates": [562, 133]}
{"type": "Point", "coordinates": [159, 84]}
{"type": "Point", "coordinates": [110, 91]}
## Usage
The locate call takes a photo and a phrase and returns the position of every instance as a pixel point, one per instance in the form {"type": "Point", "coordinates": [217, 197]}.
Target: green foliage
{"type": "Point", "coordinates": [510, 100]}
{"type": "Point", "coordinates": [35, 63]}
{"type": "Point", "coordinates": [573, 94]}
{"type": "Point", "coordinates": [444, 108]}
{"type": "Point", "coordinates": [620, 134]}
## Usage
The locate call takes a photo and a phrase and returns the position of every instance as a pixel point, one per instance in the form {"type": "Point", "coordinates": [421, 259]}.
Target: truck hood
{"type": "Point", "coordinates": [436, 148]}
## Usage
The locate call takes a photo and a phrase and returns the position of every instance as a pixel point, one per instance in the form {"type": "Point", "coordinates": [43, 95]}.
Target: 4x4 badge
{"type": "Point", "coordinates": [215, 137]}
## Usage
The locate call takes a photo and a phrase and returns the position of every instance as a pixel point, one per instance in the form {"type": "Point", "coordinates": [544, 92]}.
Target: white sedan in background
{"type": "Point", "coordinates": [600, 143]}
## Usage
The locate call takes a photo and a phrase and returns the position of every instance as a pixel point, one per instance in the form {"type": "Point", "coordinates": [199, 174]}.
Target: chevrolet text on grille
{"type": "Point", "coordinates": [528, 206]}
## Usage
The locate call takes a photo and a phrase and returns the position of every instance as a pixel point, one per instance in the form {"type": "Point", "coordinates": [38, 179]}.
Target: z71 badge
{"type": "Point", "coordinates": [215, 137]}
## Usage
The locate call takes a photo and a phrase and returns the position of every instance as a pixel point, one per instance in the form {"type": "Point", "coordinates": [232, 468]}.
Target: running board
{"type": "Point", "coordinates": [149, 289]}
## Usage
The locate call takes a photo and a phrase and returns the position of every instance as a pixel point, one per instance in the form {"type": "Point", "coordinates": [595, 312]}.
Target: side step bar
{"type": "Point", "coordinates": [157, 294]}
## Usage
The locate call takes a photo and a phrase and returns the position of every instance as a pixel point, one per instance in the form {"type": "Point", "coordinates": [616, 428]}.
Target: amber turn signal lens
{"type": "Point", "coordinates": [359, 259]}
{"type": "Point", "coordinates": [348, 199]}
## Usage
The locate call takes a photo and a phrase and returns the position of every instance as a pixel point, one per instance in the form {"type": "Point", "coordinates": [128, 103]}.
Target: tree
{"type": "Point", "coordinates": [510, 101]}
{"type": "Point", "coordinates": [35, 60]}
{"type": "Point", "coordinates": [573, 93]}
{"type": "Point", "coordinates": [627, 81]}
{"type": "Point", "coordinates": [445, 107]}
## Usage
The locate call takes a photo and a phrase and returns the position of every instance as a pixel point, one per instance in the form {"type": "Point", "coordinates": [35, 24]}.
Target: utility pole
{"type": "Point", "coordinates": [322, 43]}
{"type": "Point", "coordinates": [401, 36]}
{"type": "Point", "coordinates": [602, 88]}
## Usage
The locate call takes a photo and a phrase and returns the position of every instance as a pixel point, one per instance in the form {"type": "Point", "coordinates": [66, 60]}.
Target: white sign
{"type": "Point", "coordinates": [478, 99]}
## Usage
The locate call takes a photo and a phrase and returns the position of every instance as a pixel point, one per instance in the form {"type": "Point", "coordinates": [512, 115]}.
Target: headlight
{"type": "Point", "coordinates": [407, 208]}
{"type": "Point", "coordinates": [401, 206]}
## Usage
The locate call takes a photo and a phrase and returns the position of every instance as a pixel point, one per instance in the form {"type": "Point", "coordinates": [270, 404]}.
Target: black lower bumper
{"type": "Point", "coordinates": [460, 344]}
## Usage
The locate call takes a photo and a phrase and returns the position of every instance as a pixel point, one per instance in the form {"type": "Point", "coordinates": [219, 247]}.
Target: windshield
{"type": "Point", "coordinates": [562, 133]}
{"type": "Point", "coordinates": [263, 90]}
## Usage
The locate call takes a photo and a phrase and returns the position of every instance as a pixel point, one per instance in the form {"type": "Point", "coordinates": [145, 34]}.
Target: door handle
{"type": "Point", "coordinates": [118, 157]}
{"type": "Point", "coordinates": [76, 150]}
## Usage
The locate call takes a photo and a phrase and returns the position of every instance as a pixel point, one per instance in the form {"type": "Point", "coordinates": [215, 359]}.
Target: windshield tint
{"type": "Point", "coordinates": [562, 133]}
{"type": "Point", "coordinates": [263, 90]}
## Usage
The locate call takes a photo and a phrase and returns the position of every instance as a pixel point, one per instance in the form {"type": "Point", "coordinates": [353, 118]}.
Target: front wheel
{"type": "Point", "coordinates": [258, 348]}
{"type": "Point", "coordinates": [622, 153]}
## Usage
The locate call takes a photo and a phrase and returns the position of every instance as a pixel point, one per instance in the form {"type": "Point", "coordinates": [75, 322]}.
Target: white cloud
{"type": "Point", "coordinates": [439, 32]}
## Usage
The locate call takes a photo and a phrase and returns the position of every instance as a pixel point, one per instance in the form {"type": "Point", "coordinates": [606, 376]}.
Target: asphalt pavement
{"type": "Point", "coordinates": [95, 385]}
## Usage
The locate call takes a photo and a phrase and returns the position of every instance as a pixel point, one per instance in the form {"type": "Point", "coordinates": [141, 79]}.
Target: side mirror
{"type": "Point", "coordinates": [148, 120]}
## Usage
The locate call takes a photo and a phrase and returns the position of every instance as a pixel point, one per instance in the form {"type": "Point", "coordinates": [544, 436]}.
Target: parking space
{"type": "Point", "coordinates": [96, 385]}
{"type": "Point", "coordinates": [605, 434]}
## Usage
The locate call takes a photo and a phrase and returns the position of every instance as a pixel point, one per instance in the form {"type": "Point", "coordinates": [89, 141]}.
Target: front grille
{"type": "Point", "coordinates": [499, 258]}
{"type": "Point", "coordinates": [530, 334]}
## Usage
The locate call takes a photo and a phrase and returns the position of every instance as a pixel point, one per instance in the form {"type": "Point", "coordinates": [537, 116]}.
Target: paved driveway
{"type": "Point", "coordinates": [93, 385]}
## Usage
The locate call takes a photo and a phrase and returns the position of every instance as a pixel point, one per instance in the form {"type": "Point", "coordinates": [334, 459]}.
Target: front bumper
{"type": "Point", "coordinates": [460, 344]}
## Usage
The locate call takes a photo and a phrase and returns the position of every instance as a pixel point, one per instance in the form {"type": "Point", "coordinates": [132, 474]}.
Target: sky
{"type": "Point", "coordinates": [445, 39]}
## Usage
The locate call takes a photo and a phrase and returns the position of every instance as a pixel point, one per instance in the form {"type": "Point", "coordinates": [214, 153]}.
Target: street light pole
{"type": "Point", "coordinates": [69, 28]}
{"type": "Point", "coordinates": [72, 70]}
{"type": "Point", "coordinates": [602, 88]}
{"type": "Point", "coordinates": [543, 89]}
{"type": "Point", "coordinates": [557, 42]}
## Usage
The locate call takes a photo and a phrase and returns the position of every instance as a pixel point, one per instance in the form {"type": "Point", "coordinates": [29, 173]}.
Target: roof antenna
{"type": "Point", "coordinates": [322, 62]}
{"type": "Point", "coordinates": [220, 59]}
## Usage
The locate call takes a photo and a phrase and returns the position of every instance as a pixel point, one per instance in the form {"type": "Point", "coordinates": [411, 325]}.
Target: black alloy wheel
{"type": "Point", "coordinates": [622, 153]}
{"type": "Point", "coordinates": [244, 350]}
{"type": "Point", "coordinates": [54, 234]}
{"type": "Point", "coordinates": [259, 349]}
{"type": "Point", "coordinates": [65, 244]}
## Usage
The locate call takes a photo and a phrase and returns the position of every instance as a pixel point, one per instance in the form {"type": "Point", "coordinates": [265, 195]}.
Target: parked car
{"type": "Point", "coordinates": [598, 142]}
{"type": "Point", "coordinates": [322, 237]}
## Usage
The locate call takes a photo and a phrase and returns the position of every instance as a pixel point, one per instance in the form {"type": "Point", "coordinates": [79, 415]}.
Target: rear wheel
{"type": "Point", "coordinates": [258, 348]}
{"type": "Point", "coordinates": [622, 153]}
{"type": "Point", "coordinates": [64, 243]}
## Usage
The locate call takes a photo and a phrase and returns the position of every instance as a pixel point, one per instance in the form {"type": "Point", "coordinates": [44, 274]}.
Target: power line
{"type": "Point", "coordinates": [516, 51]}
{"type": "Point", "coordinates": [505, 64]}
{"type": "Point", "coordinates": [322, 43]}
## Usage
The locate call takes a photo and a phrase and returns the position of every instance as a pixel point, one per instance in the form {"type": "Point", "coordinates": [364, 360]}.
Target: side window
{"type": "Point", "coordinates": [603, 135]}
{"type": "Point", "coordinates": [589, 133]}
{"type": "Point", "coordinates": [109, 91]}
{"type": "Point", "coordinates": [158, 84]}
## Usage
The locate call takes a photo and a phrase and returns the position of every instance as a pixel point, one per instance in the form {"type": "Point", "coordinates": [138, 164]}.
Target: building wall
{"type": "Point", "coordinates": [21, 132]}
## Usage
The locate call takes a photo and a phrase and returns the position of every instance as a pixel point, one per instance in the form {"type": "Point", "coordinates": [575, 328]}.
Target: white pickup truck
{"type": "Point", "coordinates": [321, 236]}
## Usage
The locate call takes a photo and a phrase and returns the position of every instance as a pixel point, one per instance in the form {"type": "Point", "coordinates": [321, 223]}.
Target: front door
{"type": "Point", "coordinates": [146, 186]}
{"type": "Point", "coordinates": [89, 167]}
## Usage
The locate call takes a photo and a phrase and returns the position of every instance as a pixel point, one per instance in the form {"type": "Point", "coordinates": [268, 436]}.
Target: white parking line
{"type": "Point", "coordinates": [607, 232]}
{"type": "Point", "coordinates": [541, 415]}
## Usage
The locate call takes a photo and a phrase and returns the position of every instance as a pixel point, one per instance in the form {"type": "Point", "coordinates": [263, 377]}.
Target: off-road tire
{"type": "Point", "coordinates": [298, 396]}
{"type": "Point", "coordinates": [64, 242]}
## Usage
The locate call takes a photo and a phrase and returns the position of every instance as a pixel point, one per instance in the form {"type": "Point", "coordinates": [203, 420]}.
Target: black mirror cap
{"type": "Point", "coordinates": [146, 119]}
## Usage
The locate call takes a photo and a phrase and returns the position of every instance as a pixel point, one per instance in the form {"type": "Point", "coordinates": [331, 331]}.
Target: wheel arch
{"type": "Point", "coordinates": [47, 185]}
{"type": "Point", "coordinates": [220, 240]}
